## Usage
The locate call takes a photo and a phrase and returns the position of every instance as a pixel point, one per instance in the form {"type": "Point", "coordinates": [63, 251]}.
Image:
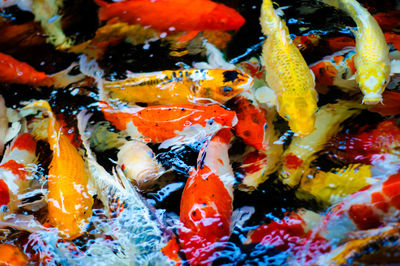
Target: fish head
{"type": "Point", "coordinates": [229, 83]}
{"type": "Point", "coordinates": [223, 18]}
{"type": "Point", "coordinates": [300, 114]}
{"type": "Point", "coordinates": [372, 81]}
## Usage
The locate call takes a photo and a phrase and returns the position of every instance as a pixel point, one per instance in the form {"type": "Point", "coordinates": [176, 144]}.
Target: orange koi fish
{"type": "Point", "coordinates": [12, 255]}
{"type": "Point", "coordinates": [159, 123]}
{"type": "Point", "coordinates": [15, 170]}
{"type": "Point", "coordinates": [206, 203]}
{"type": "Point", "coordinates": [173, 15]}
{"type": "Point", "coordinates": [251, 123]}
{"type": "Point", "coordinates": [180, 86]}
{"type": "Point", "coordinates": [14, 71]}
{"type": "Point", "coordinates": [69, 202]}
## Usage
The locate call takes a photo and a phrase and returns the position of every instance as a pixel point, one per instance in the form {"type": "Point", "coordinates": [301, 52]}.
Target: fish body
{"type": "Point", "coordinates": [362, 146]}
{"type": "Point", "coordinates": [173, 15]}
{"type": "Point", "coordinates": [12, 255]}
{"type": "Point", "coordinates": [69, 202]}
{"type": "Point", "coordinates": [159, 123]}
{"type": "Point", "coordinates": [14, 71]}
{"type": "Point", "coordinates": [336, 69]}
{"type": "Point", "coordinates": [15, 169]}
{"type": "Point", "coordinates": [139, 164]}
{"type": "Point", "coordinates": [180, 86]}
{"type": "Point", "coordinates": [251, 123]}
{"type": "Point", "coordinates": [287, 73]}
{"type": "Point", "coordinates": [206, 203]}
{"type": "Point", "coordinates": [372, 57]}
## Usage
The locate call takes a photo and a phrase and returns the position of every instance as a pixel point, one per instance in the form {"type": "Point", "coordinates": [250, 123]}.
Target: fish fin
{"type": "Point", "coordinates": [352, 77]}
{"type": "Point", "coordinates": [241, 215]}
{"type": "Point", "coordinates": [188, 36]}
{"type": "Point", "coordinates": [63, 79]}
{"type": "Point", "coordinates": [279, 10]}
{"type": "Point", "coordinates": [394, 67]}
{"type": "Point", "coordinates": [101, 3]}
{"type": "Point", "coordinates": [22, 222]}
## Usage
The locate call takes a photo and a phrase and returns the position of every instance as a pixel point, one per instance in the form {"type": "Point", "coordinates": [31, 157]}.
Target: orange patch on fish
{"type": "Point", "coordinates": [251, 123]}
{"type": "Point", "coordinates": [171, 250]}
{"type": "Point", "coordinates": [17, 169]}
{"type": "Point", "coordinates": [4, 193]}
{"type": "Point", "coordinates": [159, 123]}
{"type": "Point", "coordinates": [324, 72]}
{"type": "Point", "coordinates": [206, 209]}
{"type": "Point", "coordinates": [24, 142]}
{"type": "Point", "coordinates": [364, 216]}
{"type": "Point", "coordinates": [14, 71]}
{"type": "Point", "coordinates": [12, 256]}
{"type": "Point", "coordinates": [291, 161]}
{"type": "Point", "coordinates": [253, 162]}
{"type": "Point", "coordinates": [379, 201]}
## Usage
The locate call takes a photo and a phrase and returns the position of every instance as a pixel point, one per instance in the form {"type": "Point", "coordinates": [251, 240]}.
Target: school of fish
{"type": "Point", "coordinates": [127, 137]}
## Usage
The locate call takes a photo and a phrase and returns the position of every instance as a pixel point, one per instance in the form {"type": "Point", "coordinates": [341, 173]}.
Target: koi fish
{"type": "Point", "coordinates": [172, 15]}
{"type": "Point", "coordinates": [159, 123]}
{"type": "Point", "coordinates": [206, 203]}
{"type": "Point", "coordinates": [371, 207]}
{"type": "Point", "coordinates": [139, 164]}
{"type": "Point", "coordinates": [12, 255]}
{"type": "Point", "coordinates": [69, 202]}
{"type": "Point", "coordinates": [306, 42]}
{"type": "Point", "coordinates": [16, 169]}
{"type": "Point", "coordinates": [385, 242]}
{"type": "Point", "coordinates": [372, 57]}
{"type": "Point", "coordinates": [14, 71]}
{"type": "Point", "coordinates": [363, 146]}
{"type": "Point", "coordinates": [288, 74]}
{"type": "Point", "coordinates": [179, 87]}
{"type": "Point", "coordinates": [251, 123]}
{"type": "Point", "coordinates": [330, 187]}
{"type": "Point", "coordinates": [298, 156]}
{"type": "Point", "coordinates": [137, 237]}
{"type": "Point", "coordinates": [290, 234]}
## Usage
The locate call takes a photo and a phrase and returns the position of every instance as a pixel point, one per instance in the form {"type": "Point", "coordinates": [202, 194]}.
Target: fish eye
{"type": "Point", "coordinates": [227, 89]}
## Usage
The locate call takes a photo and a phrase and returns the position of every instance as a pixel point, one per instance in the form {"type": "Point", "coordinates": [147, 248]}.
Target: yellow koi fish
{"type": "Point", "coordinates": [179, 86]}
{"type": "Point", "coordinates": [372, 58]}
{"type": "Point", "coordinates": [69, 202]}
{"type": "Point", "coordinates": [287, 73]}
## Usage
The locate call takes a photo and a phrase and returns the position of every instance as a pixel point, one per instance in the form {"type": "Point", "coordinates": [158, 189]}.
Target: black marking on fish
{"type": "Point", "coordinates": [231, 75]}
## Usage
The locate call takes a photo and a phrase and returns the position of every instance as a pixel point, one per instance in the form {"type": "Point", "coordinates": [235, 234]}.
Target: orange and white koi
{"type": "Point", "coordinates": [69, 202]}
{"type": "Point", "coordinates": [159, 123]}
{"type": "Point", "coordinates": [287, 73]}
{"type": "Point", "coordinates": [16, 170]}
{"type": "Point", "coordinates": [206, 203]}
{"type": "Point", "coordinates": [301, 151]}
{"type": "Point", "coordinates": [179, 86]}
{"type": "Point", "coordinates": [139, 164]}
{"type": "Point", "coordinates": [372, 58]}
{"type": "Point", "coordinates": [12, 255]}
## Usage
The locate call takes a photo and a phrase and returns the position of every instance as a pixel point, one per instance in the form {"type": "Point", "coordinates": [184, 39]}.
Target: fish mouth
{"type": "Point", "coordinates": [372, 98]}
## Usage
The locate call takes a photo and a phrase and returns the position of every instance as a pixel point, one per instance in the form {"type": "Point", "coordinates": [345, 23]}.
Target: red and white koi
{"type": "Point", "coordinates": [16, 168]}
{"type": "Point", "coordinates": [206, 203]}
{"type": "Point", "coordinates": [159, 123]}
